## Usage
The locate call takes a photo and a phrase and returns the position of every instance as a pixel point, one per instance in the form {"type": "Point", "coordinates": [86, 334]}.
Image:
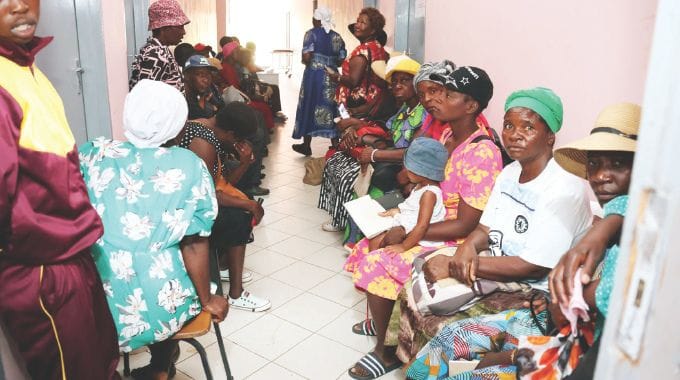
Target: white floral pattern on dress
{"type": "Point", "coordinates": [172, 295]}
{"type": "Point", "coordinates": [169, 328]}
{"type": "Point", "coordinates": [135, 167]}
{"type": "Point", "coordinates": [121, 265]}
{"type": "Point", "coordinates": [136, 227]}
{"type": "Point", "coordinates": [131, 315]}
{"type": "Point", "coordinates": [130, 190]}
{"type": "Point", "coordinates": [168, 182]}
{"type": "Point", "coordinates": [110, 148]}
{"type": "Point", "coordinates": [176, 223]}
{"type": "Point", "coordinates": [161, 263]}
{"type": "Point", "coordinates": [100, 181]}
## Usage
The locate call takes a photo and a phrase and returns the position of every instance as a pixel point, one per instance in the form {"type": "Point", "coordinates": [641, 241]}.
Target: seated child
{"type": "Point", "coordinates": [424, 161]}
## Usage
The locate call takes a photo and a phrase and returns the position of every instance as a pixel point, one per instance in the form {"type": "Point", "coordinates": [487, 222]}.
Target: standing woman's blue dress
{"type": "Point", "coordinates": [316, 103]}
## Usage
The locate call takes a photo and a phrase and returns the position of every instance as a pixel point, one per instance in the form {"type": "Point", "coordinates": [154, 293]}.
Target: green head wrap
{"type": "Point", "coordinates": [541, 100]}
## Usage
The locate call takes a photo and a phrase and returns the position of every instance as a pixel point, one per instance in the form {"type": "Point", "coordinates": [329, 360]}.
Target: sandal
{"type": "Point", "coordinates": [373, 367]}
{"type": "Point", "coordinates": [365, 327]}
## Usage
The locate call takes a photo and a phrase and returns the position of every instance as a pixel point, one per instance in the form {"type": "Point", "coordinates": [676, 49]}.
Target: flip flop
{"type": "Point", "coordinates": [374, 367]}
{"type": "Point", "coordinates": [365, 327]}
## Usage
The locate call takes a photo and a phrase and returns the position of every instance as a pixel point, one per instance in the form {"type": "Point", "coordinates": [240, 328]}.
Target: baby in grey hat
{"type": "Point", "coordinates": [425, 160]}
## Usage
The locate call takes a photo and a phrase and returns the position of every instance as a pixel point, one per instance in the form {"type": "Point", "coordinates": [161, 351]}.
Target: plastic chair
{"type": "Point", "coordinates": [197, 327]}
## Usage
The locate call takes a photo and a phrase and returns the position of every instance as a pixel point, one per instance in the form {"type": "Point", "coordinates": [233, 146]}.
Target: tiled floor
{"type": "Point", "coordinates": [306, 334]}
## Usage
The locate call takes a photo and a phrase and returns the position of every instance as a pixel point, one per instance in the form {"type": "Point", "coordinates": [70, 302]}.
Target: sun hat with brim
{"type": "Point", "coordinates": [401, 63]}
{"type": "Point", "coordinates": [229, 48]}
{"type": "Point", "coordinates": [541, 100]}
{"type": "Point", "coordinates": [616, 129]}
{"type": "Point", "coordinates": [215, 63]}
{"type": "Point", "coordinates": [166, 13]}
{"type": "Point", "coordinates": [427, 158]}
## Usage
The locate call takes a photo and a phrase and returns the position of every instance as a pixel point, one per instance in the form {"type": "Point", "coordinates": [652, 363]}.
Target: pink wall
{"type": "Point", "coordinates": [591, 53]}
{"type": "Point", "coordinates": [115, 50]}
{"type": "Point", "coordinates": [388, 9]}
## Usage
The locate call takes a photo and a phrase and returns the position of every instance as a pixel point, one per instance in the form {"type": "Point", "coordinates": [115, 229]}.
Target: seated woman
{"type": "Point", "coordinates": [469, 175]}
{"type": "Point", "coordinates": [198, 83]}
{"type": "Point", "coordinates": [208, 138]}
{"type": "Point", "coordinates": [256, 89]}
{"type": "Point", "coordinates": [230, 74]}
{"type": "Point", "coordinates": [360, 135]}
{"type": "Point", "coordinates": [157, 206]}
{"type": "Point", "coordinates": [531, 217]}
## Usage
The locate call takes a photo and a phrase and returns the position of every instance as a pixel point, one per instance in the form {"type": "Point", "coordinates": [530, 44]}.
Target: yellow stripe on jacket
{"type": "Point", "coordinates": [44, 127]}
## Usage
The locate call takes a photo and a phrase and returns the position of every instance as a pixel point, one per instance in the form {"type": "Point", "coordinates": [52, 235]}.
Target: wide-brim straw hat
{"type": "Point", "coordinates": [616, 129]}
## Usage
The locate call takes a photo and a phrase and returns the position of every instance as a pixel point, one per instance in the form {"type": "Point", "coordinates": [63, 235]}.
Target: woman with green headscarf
{"type": "Point", "coordinates": [535, 213]}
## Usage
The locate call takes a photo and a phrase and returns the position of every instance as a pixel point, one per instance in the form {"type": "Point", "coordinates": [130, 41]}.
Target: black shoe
{"type": "Point", "coordinates": [262, 167]}
{"type": "Point", "coordinates": [262, 175]}
{"type": "Point", "coordinates": [303, 149]}
{"type": "Point", "coordinates": [256, 191]}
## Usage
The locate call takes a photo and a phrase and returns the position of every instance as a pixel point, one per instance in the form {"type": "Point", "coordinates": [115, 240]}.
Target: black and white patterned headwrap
{"type": "Point", "coordinates": [442, 68]}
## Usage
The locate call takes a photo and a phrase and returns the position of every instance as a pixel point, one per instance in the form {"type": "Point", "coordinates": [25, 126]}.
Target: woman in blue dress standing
{"type": "Point", "coordinates": [322, 48]}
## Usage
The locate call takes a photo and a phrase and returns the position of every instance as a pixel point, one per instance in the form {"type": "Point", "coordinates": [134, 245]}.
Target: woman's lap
{"type": "Point", "coordinates": [380, 273]}
{"type": "Point", "coordinates": [232, 228]}
{"type": "Point", "coordinates": [339, 175]}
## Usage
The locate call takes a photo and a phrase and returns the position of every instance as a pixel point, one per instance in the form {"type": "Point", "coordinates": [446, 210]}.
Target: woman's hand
{"type": "Point", "coordinates": [437, 268]}
{"type": "Point", "coordinates": [257, 211]}
{"type": "Point", "coordinates": [394, 235]}
{"type": "Point", "coordinates": [217, 306]}
{"type": "Point", "coordinates": [395, 249]}
{"type": "Point", "coordinates": [245, 153]}
{"type": "Point", "coordinates": [333, 76]}
{"type": "Point", "coordinates": [557, 316]}
{"type": "Point", "coordinates": [366, 153]}
{"type": "Point", "coordinates": [390, 212]}
{"type": "Point", "coordinates": [586, 253]}
{"type": "Point", "coordinates": [461, 266]}
{"type": "Point", "coordinates": [349, 138]}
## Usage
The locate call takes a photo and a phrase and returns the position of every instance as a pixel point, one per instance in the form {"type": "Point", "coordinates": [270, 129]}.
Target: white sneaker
{"type": "Point", "coordinates": [330, 227]}
{"type": "Point", "coordinates": [246, 277]}
{"type": "Point", "coordinates": [249, 302]}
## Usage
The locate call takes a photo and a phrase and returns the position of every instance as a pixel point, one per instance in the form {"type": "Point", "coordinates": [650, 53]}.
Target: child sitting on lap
{"type": "Point", "coordinates": [424, 161]}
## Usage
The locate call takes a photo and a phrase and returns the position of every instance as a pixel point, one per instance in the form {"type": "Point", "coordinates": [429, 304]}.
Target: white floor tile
{"type": "Point", "coordinates": [295, 246]}
{"type": "Point", "coordinates": [266, 262]}
{"type": "Point", "coordinates": [241, 361]}
{"type": "Point", "coordinates": [340, 330]}
{"type": "Point", "coordinates": [319, 358]}
{"type": "Point", "coordinates": [302, 275]}
{"type": "Point", "coordinates": [330, 258]}
{"type": "Point", "coordinates": [338, 289]}
{"type": "Point", "coordinates": [309, 311]}
{"type": "Point", "coordinates": [269, 217]}
{"type": "Point", "coordinates": [269, 336]}
{"type": "Point", "coordinates": [275, 291]}
{"type": "Point", "coordinates": [315, 233]}
{"type": "Point", "coordinates": [186, 350]}
{"type": "Point", "coordinates": [264, 237]}
{"type": "Point", "coordinates": [292, 225]}
{"type": "Point", "coordinates": [237, 319]}
{"type": "Point", "coordinates": [274, 371]}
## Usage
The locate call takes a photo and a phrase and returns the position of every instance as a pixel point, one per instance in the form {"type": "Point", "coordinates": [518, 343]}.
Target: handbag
{"type": "Point", "coordinates": [553, 356]}
{"type": "Point", "coordinates": [314, 171]}
{"type": "Point", "coordinates": [449, 296]}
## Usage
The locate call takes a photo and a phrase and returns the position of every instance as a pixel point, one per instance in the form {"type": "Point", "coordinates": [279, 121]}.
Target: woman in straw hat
{"type": "Point", "coordinates": [605, 159]}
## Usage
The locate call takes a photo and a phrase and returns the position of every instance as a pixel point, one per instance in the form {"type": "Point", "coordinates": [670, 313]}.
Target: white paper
{"type": "Point", "coordinates": [364, 211]}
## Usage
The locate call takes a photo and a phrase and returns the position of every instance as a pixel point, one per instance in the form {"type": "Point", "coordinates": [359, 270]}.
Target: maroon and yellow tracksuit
{"type": "Point", "coordinates": [51, 297]}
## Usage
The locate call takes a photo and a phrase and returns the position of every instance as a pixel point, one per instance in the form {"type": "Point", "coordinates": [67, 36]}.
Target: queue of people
{"type": "Point", "coordinates": [127, 228]}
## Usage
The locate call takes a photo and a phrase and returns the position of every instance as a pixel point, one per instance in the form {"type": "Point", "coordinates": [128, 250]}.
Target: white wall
{"type": "Point", "coordinates": [115, 50]}
{"type": "Point", "coordinates": [591, 53]}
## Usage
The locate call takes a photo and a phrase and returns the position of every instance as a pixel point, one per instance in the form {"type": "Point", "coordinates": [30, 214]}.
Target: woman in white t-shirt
{"type": "Point", "coordinates": [535, 212]}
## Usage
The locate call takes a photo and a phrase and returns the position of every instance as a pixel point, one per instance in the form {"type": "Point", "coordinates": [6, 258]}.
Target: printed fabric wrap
{"type": "Point", "coordinates": [553, 357]}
